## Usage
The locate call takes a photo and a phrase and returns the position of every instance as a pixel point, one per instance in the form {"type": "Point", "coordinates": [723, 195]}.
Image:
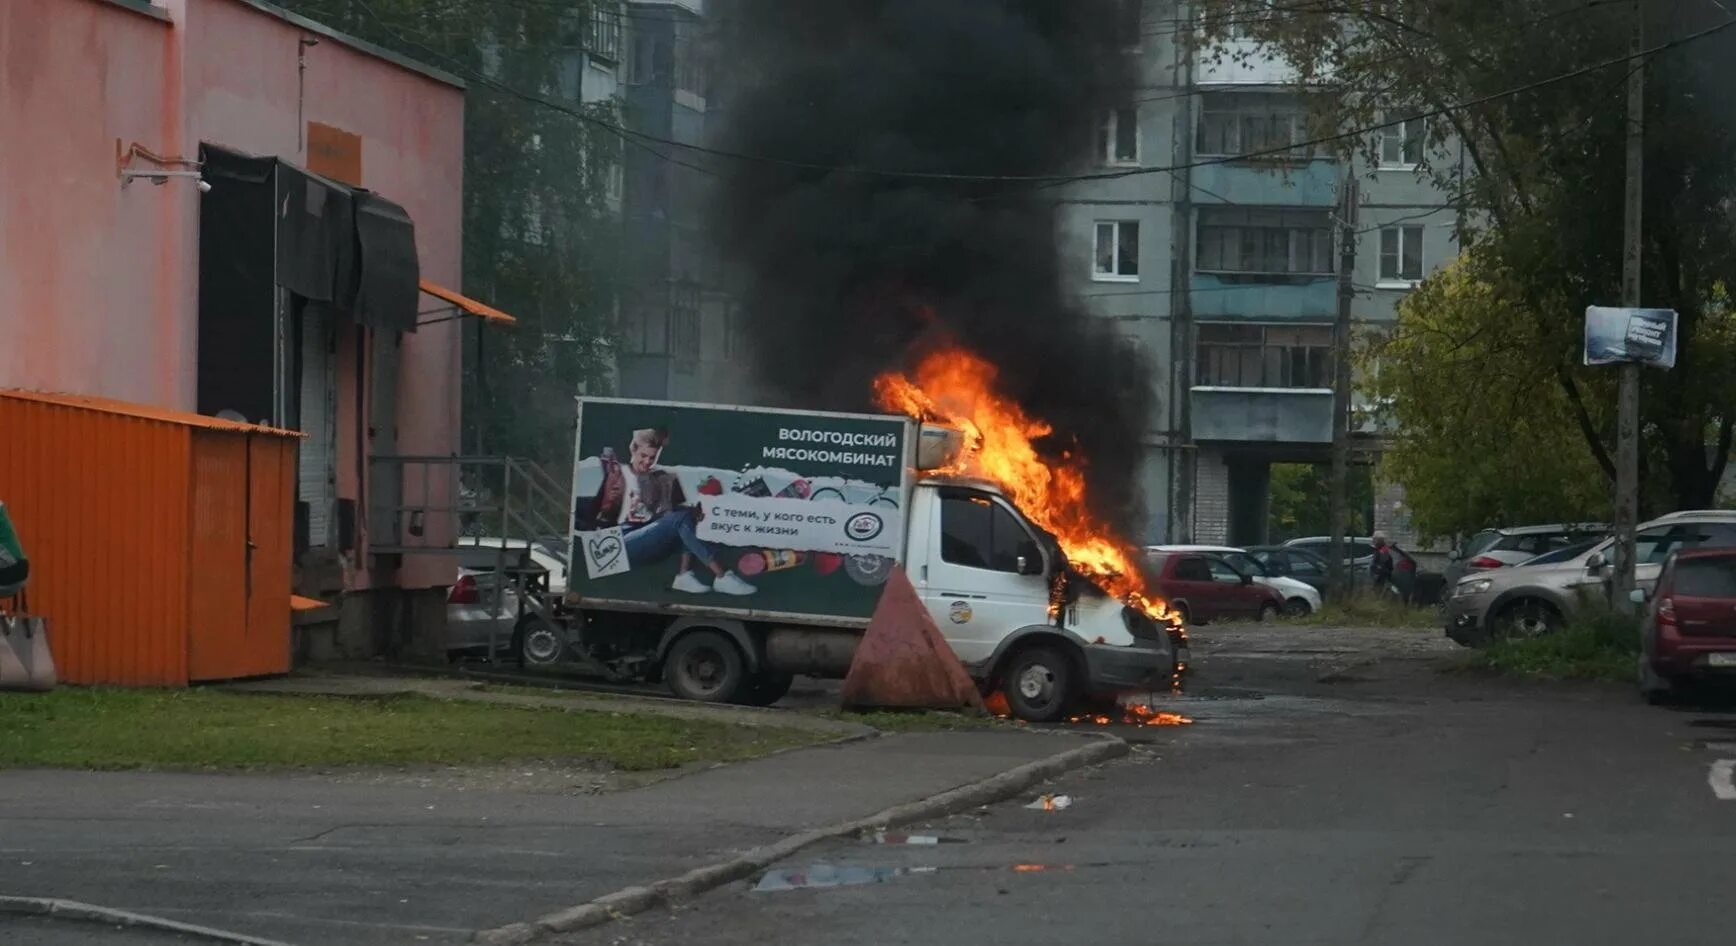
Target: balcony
{"type": "Point", "coordinates": [1262, 415]}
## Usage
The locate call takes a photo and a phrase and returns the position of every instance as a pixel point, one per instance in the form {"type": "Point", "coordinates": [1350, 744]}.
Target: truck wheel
{"type": "Point", "coordinates": [1039, 684]}
{"type": "Point", "coordinates": [767, 687]}
{"type": "Point", "coordinates": [705, 666]}
{"type": "Point", "coordinates": [536, 643]}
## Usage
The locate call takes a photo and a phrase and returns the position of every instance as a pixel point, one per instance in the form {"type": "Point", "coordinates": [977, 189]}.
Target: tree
{"type": "Point", "coordinates": [539, 229]}
{"type": "Point", "coordinates": [1478, 437]}
{"type": "Point", "coordinates": [1297, 501]}
{"type": "Point", "coordinates": [1537, 176]}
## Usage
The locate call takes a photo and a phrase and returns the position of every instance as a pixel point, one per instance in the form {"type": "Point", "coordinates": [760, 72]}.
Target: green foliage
{"type": "Point", "coordinates": [204, 729]}
{"type": "Point", "coordinates": [1600, 644]}
{"type": "Point", "coordinates": [1300, 496]}
{"type": "Point", "coordinates": [540, 235]}
{"type": "Point", "coordinates": [1366, 608]}
{"type": "Point", "coordinates": [1481, 435]}
{"type": "Point", "coordinates": [1539, 177]}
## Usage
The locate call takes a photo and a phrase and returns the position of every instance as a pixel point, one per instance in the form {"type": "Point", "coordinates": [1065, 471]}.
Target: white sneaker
{"type": "Point", "coordinates": [690, 583]}
{"type": "Point", "coordinates": [729, 583]}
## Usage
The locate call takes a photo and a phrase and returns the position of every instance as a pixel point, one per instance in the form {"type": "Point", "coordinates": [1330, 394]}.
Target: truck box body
{"type": "Point", "coordinates": [806, 508]}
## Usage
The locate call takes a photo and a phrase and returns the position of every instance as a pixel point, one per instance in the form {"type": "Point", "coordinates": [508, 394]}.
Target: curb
{"type": "Point", "coordinates": [637, 899]}
{"type": "Point", "coordinates": [91, 913]}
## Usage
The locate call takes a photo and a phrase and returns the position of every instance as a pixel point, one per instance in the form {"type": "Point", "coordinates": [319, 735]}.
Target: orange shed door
{"type": "Point", "coordinates": [242, 533]}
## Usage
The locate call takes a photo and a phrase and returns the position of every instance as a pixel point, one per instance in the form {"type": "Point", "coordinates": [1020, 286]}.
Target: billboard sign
{"type": "Point", "coordinates": [1619, 335]}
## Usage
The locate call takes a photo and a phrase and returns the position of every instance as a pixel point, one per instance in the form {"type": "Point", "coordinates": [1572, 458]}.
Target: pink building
{"type": "Point", "coordinates": [163, 242]}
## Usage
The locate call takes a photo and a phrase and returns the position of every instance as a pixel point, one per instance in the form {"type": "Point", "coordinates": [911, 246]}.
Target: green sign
{"type": "Point", "coordinates": [757, 511]}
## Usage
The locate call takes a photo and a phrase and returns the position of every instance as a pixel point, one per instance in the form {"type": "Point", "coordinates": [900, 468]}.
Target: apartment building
{"type": "Point", "coordinates": [1224, 270]}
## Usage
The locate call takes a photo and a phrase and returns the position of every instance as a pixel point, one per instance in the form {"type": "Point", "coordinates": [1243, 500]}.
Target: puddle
{"type": "Point", "coordinates": [825, 875]}
{"type": "Point", "coordinates": [822, 876]}
{"type": "Point", "coordinates": [882, 837]}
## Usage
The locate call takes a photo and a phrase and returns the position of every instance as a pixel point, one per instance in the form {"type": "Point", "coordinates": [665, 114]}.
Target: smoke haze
{"type": "Point", "coordinates": [850, 274]}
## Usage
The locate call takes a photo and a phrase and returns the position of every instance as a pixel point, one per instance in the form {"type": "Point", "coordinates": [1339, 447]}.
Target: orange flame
{"type": "Point", "coordinates": [956, 388]}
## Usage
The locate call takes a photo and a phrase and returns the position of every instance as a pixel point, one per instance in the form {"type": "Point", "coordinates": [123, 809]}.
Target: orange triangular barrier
{"type": "Point", "coordinates": [903, 661]}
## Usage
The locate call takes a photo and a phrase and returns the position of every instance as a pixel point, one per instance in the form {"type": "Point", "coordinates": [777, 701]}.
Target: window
{"type": "Point", "coordinates": [1706, 578]}
{"type": "Point", "coordinates": [1264, 356]}
{"type": "Point", "coordinates": [1248, 564]}
{"type": "Point", "coordinates": [1306, 565]}
{"type": "Point", "coordinates": [1236, 123]}
{"type": "Point", "coordinates": [1118, 137]}
{"type": "Point", "coordinates": [977, 533]}
{"type": "Point", "coordinates": [691, 72]}
{"type": "Point", "coordinates": [1192, 568]}
{"type": "Point", "coordinates": [1401, 144]}
{"type": "Point", "coordinates": [1270, 242]}
{"type": "Point", "coordinates": [1222, 572]}
{"type": "Point", "coordinates": [1401, 255]}
{"type": "Point", "coordinates": [1115, 255]}
{"type": "Point", "coordinates": [603, 34]}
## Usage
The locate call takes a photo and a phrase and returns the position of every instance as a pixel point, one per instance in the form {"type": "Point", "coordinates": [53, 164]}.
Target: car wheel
{"type": "Point", "coordinates": [537, 643]}
{"type": "Point", "coordinates": [1656, 688]}
{"type": "Point", "coordinates": [1527, 618]}
{"type": "Point", "coordinates": [1039, 684]}
{"type": "Point", "coordinates": [705, 666]}
{"type": "Point", "coordinates": [1298, 608]}
{"type": "Point", "coordinates": [767, 687]}
{"type": "Point", "coordinates": [1268, 612]}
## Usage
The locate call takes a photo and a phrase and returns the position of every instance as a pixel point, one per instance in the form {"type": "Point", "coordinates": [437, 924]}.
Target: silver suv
{"type": "Point", "coordinates": [1537, 598]}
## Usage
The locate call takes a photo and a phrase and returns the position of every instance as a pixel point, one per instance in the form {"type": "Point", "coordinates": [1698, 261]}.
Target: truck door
{"type": "Point", "coordinates": [970, 578]}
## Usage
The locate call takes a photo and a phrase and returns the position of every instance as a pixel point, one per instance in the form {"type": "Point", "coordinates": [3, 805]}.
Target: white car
{"type": "Point", "coordinates": [1300, 598]}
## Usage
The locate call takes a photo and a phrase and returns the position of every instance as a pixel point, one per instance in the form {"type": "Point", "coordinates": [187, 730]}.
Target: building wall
{"type": "Point", "coordinates": [105, 278]}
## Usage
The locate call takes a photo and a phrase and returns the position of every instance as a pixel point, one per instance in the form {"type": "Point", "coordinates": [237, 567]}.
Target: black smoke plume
{"type": "Point", "coordinates": [849, 273]}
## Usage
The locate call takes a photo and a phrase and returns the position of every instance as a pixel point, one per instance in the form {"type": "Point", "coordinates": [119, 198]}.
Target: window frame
{"type": "Point", "coordinates": [1408, 139]}
{"type": "Point", "coordinates": [1108, 138]}
{"type": "Point", "coordinates": [1253, 245]}
{"type": "Point", "coordinates": [1242, 107]}
{"type": "Point", "coordinates": [1287, 365]}
{"type": "Point", "coordinates": [1397, 278]}
{"type": "Point", "coordinates": [1116, 255]}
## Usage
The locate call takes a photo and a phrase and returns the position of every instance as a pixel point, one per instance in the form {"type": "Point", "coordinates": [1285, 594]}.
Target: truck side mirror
{"type": "Point", "coordinates": [1029, 565]}
{"type": "Point", "coordinates": [1595, 563]}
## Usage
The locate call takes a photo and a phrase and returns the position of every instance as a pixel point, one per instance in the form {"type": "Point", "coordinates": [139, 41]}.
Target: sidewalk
{"type": "Point", "coordinates": [312, 860]}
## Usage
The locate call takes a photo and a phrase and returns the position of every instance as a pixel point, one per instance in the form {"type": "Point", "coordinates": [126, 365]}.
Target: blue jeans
{"type": "Point", "coordinates": [663, 536]}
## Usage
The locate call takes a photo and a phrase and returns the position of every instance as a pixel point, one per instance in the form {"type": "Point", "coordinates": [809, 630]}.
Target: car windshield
{"type": "Point", "coordinates": [1481, 542]}
{"type": "Point", "coordinates": [1246, 563]}
{"type": "Point", "coordinates": [1565, 554]}
{"type": "Point", "coordinates": [1706, 577]}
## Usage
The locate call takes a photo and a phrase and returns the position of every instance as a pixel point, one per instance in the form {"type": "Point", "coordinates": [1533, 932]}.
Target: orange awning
{"type": "Point", "coordinates": [467, 305]}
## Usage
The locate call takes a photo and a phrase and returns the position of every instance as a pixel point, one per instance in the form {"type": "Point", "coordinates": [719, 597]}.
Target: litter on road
{"type": "Point", "coordinates": [826, 875]}
{"type": "Point", "coordinates": [1051, 803]}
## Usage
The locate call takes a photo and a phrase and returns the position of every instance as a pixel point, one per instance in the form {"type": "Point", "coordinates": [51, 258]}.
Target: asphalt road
{"type": "Point", "coordinates": [1335, 788]}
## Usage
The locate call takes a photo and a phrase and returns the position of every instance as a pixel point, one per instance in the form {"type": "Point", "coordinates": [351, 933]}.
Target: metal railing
{"type": "Point", "coordinates": [490, 509]}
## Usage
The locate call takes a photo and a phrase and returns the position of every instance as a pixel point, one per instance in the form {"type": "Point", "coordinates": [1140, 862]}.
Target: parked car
{"type": "Point", "coordinates": [474, 616]}
{"type": "Point", "coordinates": [1500, 548]}
{"type": "Point", "coordinates": [1292, 562]}
{"type": "Point", "coordinates": [1203, 587]}
{"type": "Point", "coordinates": [1689, 628]}
{"type": "Point", "coordinates": [1539, 598]}
{"type": "Point", "coordinates": [1414, 584]}
{"type": "Point", "coordinates": [1300, 598]}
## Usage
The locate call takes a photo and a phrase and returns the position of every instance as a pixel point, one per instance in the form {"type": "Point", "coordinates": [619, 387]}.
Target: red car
{"type": "Point", "coordinates": [1204, 587]}
{"type": "Point", "coordinates": [1689, 631]}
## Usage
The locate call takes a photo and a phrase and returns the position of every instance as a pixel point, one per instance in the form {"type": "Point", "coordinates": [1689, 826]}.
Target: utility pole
{"type": "Point", "coordinates": [1335, 581]}
{"type": "Point", "coordinates": [1627, 464]}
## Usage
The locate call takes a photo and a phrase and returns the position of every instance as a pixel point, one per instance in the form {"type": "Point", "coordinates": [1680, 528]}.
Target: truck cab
{"type": "Point", "coordinates": [1019, 620]}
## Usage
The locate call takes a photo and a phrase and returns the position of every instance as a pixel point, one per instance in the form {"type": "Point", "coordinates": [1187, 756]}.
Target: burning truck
{"type": "Point", "coordinates": [724, 549]}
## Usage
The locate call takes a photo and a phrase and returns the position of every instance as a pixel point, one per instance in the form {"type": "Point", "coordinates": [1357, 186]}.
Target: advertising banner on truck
{"type": "Point", "coordinates": [772, 512]}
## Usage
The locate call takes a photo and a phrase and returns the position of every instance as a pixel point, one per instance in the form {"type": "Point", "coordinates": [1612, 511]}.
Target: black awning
{"type": "Point", "coordinates": [316, 243]}
{"type": "Point", "coordinates": [386, 292]}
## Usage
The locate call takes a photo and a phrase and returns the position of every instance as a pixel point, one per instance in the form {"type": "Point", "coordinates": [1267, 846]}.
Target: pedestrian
{"type": "Point", "coordinates": [1380, 564]}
